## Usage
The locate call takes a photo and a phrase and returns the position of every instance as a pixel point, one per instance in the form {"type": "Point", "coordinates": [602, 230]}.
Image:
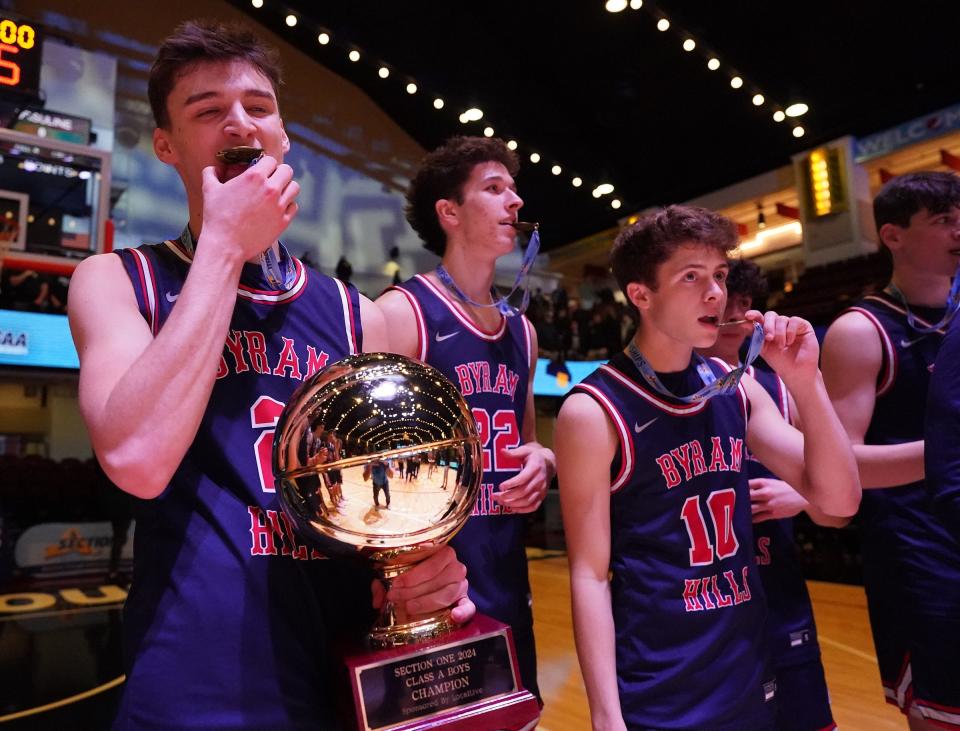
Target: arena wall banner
{"type": "Point", "coordinates": [931, 125]}
{"type": "Point", "coordinates": [51, 550]}
{"type": "Point", "coordinates": [34, 339]}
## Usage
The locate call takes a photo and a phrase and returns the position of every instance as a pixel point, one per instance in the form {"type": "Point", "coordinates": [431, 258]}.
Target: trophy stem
{"type": "Point", "coordinates": [395, 628]}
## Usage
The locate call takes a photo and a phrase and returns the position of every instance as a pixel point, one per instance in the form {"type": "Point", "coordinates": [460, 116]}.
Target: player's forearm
{"type": "Point", "coordinates": [153, 412]}
{"type": "Point", "coordinates": [889, 465]}
{"type": "Point", "coordinates": [831, 480]}
{"type": "Point", "coordinates": [596, 648]}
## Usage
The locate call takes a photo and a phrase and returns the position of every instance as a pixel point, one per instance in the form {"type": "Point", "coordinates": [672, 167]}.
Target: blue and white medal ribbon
{"type": "Point", "coordinates": [501, 303]}
{"type": "Point", "coordinates": [280, 276]}
{"type": "Point", "coordinates": [270, 263]}
{"type": "Point", "coordinates": [953, 304]}
{"type": "Point", "coordinates": [271, 266]}
{"type": "Point", "coordinates": [712, 386]}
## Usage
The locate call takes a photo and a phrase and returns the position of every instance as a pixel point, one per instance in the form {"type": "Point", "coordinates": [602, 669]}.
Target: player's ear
{"type": "Point", "coordinates": [162, 147]}
{"type": "Point", "coordinates": [446, 209]}
{"type": "Point", "coordinates": [639, 295]}
{"type": "Point", "coordinates": [891, 235]}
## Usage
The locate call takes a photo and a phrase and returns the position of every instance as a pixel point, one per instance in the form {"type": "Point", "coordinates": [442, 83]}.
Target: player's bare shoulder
{"type": "Point", "coordinates": [852, 341]}
{"type": "Point", "coordinates": [400, 320]}
{"type": "Point", "coordinates": [99, 282]}
{"type": "Point", "coordinates": [583, 417]}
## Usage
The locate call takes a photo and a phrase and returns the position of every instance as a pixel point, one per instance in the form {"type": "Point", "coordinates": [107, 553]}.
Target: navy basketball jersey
{"type": "Point", "coordinates": [791, 632]}
{"type": "Point", "coordinates": [492, 371]}
{"type": "Point", "coordinates": [909, 557]}
{"type": "Point", "coordinates": [942, 453]}
{"type": "Point", "coordinates": [687, 601]}
{"type": "Point", "coordinates": [226, 621]}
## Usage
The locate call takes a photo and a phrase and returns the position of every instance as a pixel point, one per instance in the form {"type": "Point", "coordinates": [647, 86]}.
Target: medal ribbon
{"type": "Point", "coordinates": [712, 386]}
{"type": "Point", "coordinates": [953, 304]}
{"type": "Point", "coordinates": [269, 263]}
{"type": "Point", "coordinates": [501, 303]}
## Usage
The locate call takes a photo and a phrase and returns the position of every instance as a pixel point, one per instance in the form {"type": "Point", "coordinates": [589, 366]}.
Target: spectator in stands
{"type": "Point", "coordinates": [344, 269]}
{"type": "Point", "coordinates": [392, 267]}
{"type": "Point", "coordinates": [562, 322]}
{"type": "Point", "coordinates": [548, 335]}
{"type": "Point", "coordinates": [25, 289]}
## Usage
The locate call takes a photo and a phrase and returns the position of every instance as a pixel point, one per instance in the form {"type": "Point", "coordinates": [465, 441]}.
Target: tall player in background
{"type": "Point", "coordinates": [942, 433]}
{"type": "Point", "coordinates": [877, 359]}
{"type": "Point", "coordinates": [463, 203]}
{"type": "Point", "coordinates": [188, 352]}
{"type": "Point", "coordinates": [803, 703]}
{"type": "Point", "coordinates": [662, 502]}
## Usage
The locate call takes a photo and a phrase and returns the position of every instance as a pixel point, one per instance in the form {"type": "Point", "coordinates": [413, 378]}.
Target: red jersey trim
{"type": "Point", "coordinates": [422, 336]}
{"type": "Point", "coordinates": [462, 316]}
{"type": "Point", "coordinates": [149, 285]}
{"type": "Point", "coordinates": [677, 410]}
{"type": "Point", "coordinates": [181, 253]}
{"type": "Point", "coordinates": [943, 716]}
{"type": "Point", "coordinates": [896, 307]}
{"type": "Point", "coordinates": [529, 337]}
{"type": "Point", "coordinates": [262, 296]}
{"type": "Point", "coordinates": [276, 297]}
{"type": "Point", "coordinates": [348, 327]}
{"type": "Point", "coordinates": [626, 446]}
{"type": "Point", "coordinates": [888, 368]}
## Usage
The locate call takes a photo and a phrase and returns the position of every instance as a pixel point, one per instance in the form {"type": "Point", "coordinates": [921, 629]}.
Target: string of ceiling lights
{"type": "Point", "coordinates": [472, 115]}
{"type": "Point", "coordinates": [780, 112]}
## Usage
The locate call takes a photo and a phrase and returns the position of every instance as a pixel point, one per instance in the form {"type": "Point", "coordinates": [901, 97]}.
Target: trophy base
{"type": "Point", "coordinates": [409, 633]}
{"type": "Point", "coordinates": [465, 680]}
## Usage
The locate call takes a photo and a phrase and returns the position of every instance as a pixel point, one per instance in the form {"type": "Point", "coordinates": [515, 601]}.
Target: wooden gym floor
{"type": "Point", "coordinates": [845, 641]}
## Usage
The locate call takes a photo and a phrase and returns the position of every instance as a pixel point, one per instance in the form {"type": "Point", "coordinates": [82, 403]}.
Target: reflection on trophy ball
{"type": "Point", "coordinates": [377, 455]}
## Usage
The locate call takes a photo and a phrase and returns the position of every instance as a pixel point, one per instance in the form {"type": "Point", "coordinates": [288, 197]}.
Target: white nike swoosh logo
{"type": "Point", "coordinates": [172, 297]}
{"type": "Point", "coordinates": [440, 338]}
{"type": "Point", "coordinates": [904, 343]}
{"type": "Point", "coordinates": [637, 428]}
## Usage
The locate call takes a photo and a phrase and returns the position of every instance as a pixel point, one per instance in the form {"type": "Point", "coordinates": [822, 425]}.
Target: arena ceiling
{"type": "Point", "coordinates": [612, 99]}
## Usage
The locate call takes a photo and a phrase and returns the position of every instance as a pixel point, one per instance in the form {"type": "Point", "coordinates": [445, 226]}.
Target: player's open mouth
{"type": "Point", "coordinates": [711, 320]}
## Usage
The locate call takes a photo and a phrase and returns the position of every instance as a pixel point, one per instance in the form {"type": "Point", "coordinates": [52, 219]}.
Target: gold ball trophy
{"type": "Point", "coordinates": [377, 456]}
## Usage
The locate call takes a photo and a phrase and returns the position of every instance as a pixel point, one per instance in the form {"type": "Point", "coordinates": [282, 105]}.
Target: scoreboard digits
{"type": "Point", "coordinates": [23, 36]}
{"type": "Point", "coordinates": [20, 53]}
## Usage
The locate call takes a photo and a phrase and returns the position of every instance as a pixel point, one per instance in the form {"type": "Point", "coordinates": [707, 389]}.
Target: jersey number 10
{"type": "Point", "coordinates": [721, 504]}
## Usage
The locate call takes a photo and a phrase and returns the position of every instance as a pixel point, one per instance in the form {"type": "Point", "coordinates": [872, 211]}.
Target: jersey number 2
{"type": "Point", "coordinates": [506, 436]}
{"type": "Point", "coordinates": [265, 413]}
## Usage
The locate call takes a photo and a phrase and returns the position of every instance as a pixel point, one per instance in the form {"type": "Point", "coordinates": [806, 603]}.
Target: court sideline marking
{"type": "Point", "coordinates": [64, 701]}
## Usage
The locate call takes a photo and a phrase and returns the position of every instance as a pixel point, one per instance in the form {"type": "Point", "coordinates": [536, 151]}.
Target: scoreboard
{"type": "Point", "coordinates": [21, 51]}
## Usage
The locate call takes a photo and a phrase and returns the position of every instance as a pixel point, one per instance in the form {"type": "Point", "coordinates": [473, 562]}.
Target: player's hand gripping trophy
{"type": "Point", "coordinates": [382, 409]}
{"type": "Point", "coordinates": [336, 449]}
